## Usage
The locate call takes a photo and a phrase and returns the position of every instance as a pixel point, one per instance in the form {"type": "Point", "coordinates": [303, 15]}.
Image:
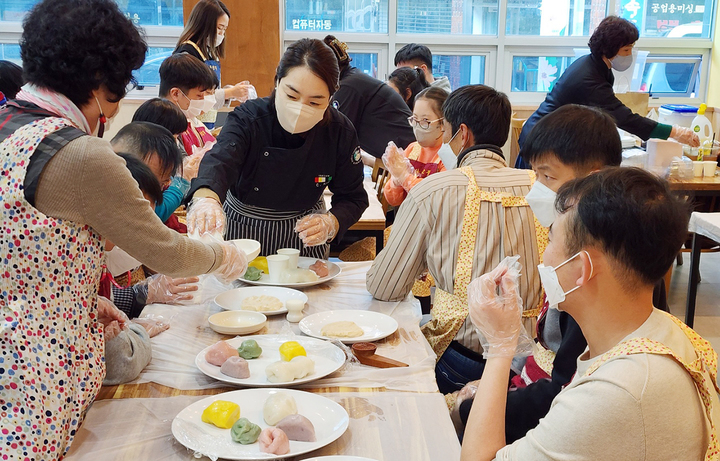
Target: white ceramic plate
{"type": "Point", "coordinates": [375, 325]}
{"type": "Point", "coordinates": [232, 300]}
{"type": "Point", "coordinates": [339, 458]}
{"type": "Point", "coordinates": [330, 421]}
{"type": "Point", "coordinates": [328, 358]}
{"type": "Point", "coordinates": [303, 263]}
{"type": "Point", "coordinates": [250, 247]}
{"type": "Point", "coordinates": [237, 322]}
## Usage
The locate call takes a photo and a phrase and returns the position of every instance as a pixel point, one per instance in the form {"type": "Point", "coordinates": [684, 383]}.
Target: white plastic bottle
{"type": "Point", "coordinates": [703, 128]}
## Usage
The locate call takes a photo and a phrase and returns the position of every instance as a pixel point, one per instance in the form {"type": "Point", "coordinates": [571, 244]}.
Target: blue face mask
{"type": "Point", "coordinates": [621, 63]}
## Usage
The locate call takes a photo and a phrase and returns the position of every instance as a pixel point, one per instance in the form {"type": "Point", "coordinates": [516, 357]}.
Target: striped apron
{"type": "Point", "coordinates": [272, 228]}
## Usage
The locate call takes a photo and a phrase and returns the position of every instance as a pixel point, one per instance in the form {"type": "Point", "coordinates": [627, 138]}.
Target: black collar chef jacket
{"type": "Point", "coordinates": [263, 165]}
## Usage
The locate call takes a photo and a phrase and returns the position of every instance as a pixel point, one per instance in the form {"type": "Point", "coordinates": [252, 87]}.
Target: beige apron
{"type": "Point", "coordinates": [450, 310]}
{"type": "Point", "coordinates": [707, 360]}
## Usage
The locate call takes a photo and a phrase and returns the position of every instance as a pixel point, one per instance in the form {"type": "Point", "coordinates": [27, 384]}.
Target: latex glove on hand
{"type": "Point", "coordinates": [685, 136]}
{"type": "Point", "coordinates": [167, 290]}
{"type": "Point", "coordinates": [205, 216]}
{"type": "Point", "coordinates": [397, 164]}
{"type": "Point", "coordinates": [241, 92]}
{"type": "Point", "coordinates": [317, 229]}
{"type": "Point", "coordinates": [201, 151]}
{"type": "Point", "coordinates": [495, 308]}
{"type": "Point", "coordinates": [234, 264]}
{"type": "Point", "coordinates": [191, 165]}
{"type": "Point", "coordinates": [113, 319]}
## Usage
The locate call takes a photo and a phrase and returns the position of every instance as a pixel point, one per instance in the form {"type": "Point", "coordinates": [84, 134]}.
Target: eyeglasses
{"type": "Point", "coordinates": [424, 123]}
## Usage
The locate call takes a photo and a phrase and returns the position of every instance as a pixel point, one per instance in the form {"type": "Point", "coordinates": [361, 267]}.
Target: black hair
{"type": "Point", "coordinates": [414, 52]}
{"type": "Point", "coordinates": [435, 95]}
{"type": "Point", "coordinates": [484, 110]}
{"type": "Point", "coordinates": [201, 27]}
{"type": "Point", "coordinates": [75, 46]}
{"type": "Point", "coordinates": [340, 50]}
{"type": "Point", "coordinates": [612, 34]}
{"type": "Point", "coordinates": [143, 139]}
{"type": "Point", "coordinates": [582, 137]}
{"type": "Point", "coordinates": [317, 56]}
{"type": "Point", "coordinates": [185, 71]}
{"type": "Point", "coordinates": [11, 79]}
{"type": "Point", "coordinates": [147, 181]}
{"type": "Point", "coordinates": [409, 79]}
{"type": "Point", "coordinates": [630, 215]}
{"type": "Point", "coordinates": [164, 113]}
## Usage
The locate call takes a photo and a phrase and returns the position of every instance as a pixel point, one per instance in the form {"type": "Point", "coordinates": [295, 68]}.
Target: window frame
{"type": "Point", "coordinates": [499, 50]}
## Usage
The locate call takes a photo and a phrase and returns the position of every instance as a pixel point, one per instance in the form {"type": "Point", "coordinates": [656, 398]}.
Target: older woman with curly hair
{"type": "Point", "coordinates": [56, 180]}
{"type": "Point", "coordinates": [589, 82]}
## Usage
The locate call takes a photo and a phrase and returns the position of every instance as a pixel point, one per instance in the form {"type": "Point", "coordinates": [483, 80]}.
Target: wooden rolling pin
{"type": "Point", "coordinates": [365, 352]}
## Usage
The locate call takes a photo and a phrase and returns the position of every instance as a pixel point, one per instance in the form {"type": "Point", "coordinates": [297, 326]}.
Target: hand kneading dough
{"type": "Point", "coordinates": [342, 329]}
{"type": "Point", "coordinates": [278, 406]}
{"type": "Point", "coordinates": [284, 372]}
{"type": "Point", "coordinates": [219, 353]}
{"type": "Point", "coordinates": [298, 428]}
{"type": "Point", "coordinates": [235, 367]}
{"type": "Point", "coordinates": [262, 303]}
{"type": "Point", "coordinates": [274, 440]}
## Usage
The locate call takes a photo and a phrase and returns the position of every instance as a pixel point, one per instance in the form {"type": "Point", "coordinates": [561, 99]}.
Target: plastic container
{"type": "Point", "coordinates": [677, 114]}
{"type": "Point", "coordinates": [703, 128]}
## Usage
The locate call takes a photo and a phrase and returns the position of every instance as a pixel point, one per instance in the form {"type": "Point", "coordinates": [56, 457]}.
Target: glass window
{"type": "Point", "coordinates": [149, 73]}
{"type": "Point", "coordinates": [10, 52]}
{"type": "Point", "coordinates": [366, 62]}
{"type": "Point", "coordinates": [476, 17]}
{"type": "Point", "coordinates": [337, 15]}
{"type": "Point", "coordinates": [555, 18]}
{"type": "Point", "coordinates": [461, 70]}
{"type": "Point", "coordinates": [142, 12]}
{"type": "Point", "coordinates": [671, 76]}
{"type": "Point", "coordinates": [537, 73]}
{"type": "Point", "coordinates": [664, 18]}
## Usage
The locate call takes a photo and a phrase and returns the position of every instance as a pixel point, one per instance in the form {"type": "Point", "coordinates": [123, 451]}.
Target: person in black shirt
{"type": "Point", "coordinates": [275, 156]}
{"type": "Point", "coordinates": [379, 114]}
{"type": "Point", "coordinates": [589, 80]}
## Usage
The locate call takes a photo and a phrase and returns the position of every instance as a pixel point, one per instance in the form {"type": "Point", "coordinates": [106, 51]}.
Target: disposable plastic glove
{"type": "Point", "coordinates": [153, 326]}
{"type": "Point", "coordinates": [241, 91]}
{"type": "Point", "coordinates": [205, 216]}
{"type": "Point", "coordinates": [317, 229]}
{"type": "Point", "coordinates": [191, 165]}
{"type": "Point", "coordinates": [685, 136]}
{"type": "Point", "coordinates": [234, 263]}
{"type": "Point", "coordinates": [112, 318]}
{"type": "Point", "coordinates": [167, 290]}
{"type": "Point", "coordinates": [495, 309]}
{"type": "Point", "coordinates": [397, 164]}
{"type": "Point", "coordinates": [201, 151]}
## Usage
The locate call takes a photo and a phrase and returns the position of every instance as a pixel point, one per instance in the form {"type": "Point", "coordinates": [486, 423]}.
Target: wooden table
{"type": "Point", "coordinates": [697, 186]}
{"type": "Point", "coordinates": [394, 413]}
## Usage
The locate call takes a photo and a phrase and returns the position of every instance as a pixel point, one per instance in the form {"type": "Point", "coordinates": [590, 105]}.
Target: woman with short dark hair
{"type": "Point", "coordinates": [78, 58]}
{"type": "Point", "coordinates": [589, 82]}
{"type": "Point", "coordinates": [274, 158]}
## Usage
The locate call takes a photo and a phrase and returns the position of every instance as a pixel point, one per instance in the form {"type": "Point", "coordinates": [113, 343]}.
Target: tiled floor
{"type": "Point", "coordinates": [707, 309]}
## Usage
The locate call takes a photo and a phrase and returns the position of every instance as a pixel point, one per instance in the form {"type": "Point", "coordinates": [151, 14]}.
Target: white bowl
{"type": "Point", "coordinates": [237, 322]}
{"type": "Point", "coordinates": [250, 247]}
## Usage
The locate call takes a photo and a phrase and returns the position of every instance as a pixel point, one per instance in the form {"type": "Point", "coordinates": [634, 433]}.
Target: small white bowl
{"type": "Point", "coordinates": [237, 322]}
{"type": "Point", "coordinates": [250, 247]}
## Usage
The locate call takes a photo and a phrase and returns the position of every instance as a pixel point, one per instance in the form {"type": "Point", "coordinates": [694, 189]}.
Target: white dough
{"type": "Point", "coordinates": [262, 303]}
{"type": "Point", "coordinates": [284, 372]}
{"type": "Point", "coordinates": [342, 329]}
{"type": "Point", "coordinates": [299, 276]}
{"type": "Point", "coordinates": [278, 406]}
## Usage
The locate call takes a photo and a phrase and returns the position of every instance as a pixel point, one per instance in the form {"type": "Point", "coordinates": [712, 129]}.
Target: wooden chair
{"type": "Point", "coordinates": [515, 129]}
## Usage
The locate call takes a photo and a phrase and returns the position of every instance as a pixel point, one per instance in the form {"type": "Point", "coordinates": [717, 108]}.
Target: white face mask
{"type": "Point", "coordinates": [428, 137]}
{"type": "Point", "coordinates": [208, 102]}
{"type": "Point", "coordinates": [621, 63]}
{"type": "Point", "coordinates": [542, 202]}
{"type": "Point", "coordinates": [296, 117]}
{"type": "Point", "coordinates": [101, 128]}
{"type": "Point", "coordinates": [446, 154]}
{"type": "Point", "coordinates": [118, 262]}
{"type": "Point", "coordinates": [219, 39]}
{"type": "Point", "coordinates": [195, 108]}
{"type": "Point", "coordinates": [549, 279]}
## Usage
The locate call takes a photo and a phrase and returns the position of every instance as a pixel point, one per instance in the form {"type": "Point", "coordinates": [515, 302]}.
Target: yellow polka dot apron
{"type": "Point", "coordinates": [450, 310]}
{"type": "Point", "coordinates": [707, 361]}
{"type": "Point", "coordinates": [51, 345]}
